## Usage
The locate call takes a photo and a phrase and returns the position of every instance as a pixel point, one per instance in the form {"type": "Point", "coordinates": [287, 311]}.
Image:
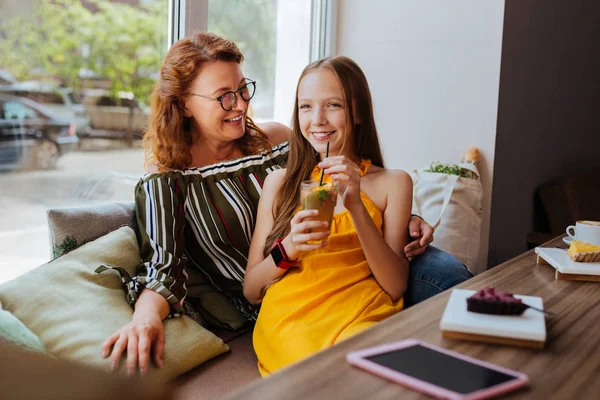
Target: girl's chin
{"type": "Point", "coordinates": [321, 147]}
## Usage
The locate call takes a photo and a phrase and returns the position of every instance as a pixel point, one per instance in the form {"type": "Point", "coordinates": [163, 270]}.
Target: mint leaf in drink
{"type": "Point", "coordinates": [323, 195]}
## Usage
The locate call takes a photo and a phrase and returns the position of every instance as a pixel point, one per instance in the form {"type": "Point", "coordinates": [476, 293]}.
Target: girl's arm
{"type": "Point", "coordinates": [385, 255]}
{"type": "Point", "coordinates": [262, 271]}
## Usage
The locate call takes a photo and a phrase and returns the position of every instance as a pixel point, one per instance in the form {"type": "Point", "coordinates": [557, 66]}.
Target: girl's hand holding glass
{"type": "Point", "coordinates": [302, 232]}
{"type": "Point", "coordinates": [346, 174]}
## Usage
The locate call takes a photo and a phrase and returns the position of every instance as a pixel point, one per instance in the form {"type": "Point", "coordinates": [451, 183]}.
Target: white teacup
{"type": "Point", "coordinates": [585, 231]}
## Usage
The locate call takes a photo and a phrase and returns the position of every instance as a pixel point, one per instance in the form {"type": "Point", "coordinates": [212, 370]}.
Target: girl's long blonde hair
{"type": "Point", "coordinates": [169, 137]}
{"type": "Point", "coordinates": [302, 158]}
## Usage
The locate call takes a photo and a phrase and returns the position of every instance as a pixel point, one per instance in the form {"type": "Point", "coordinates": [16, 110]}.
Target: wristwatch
{"type": "Point", "coordinates": [280, 257]}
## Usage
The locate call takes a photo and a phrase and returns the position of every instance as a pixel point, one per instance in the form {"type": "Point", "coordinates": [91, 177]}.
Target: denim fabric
{"type": "Point", "coordinates": [431, 273]}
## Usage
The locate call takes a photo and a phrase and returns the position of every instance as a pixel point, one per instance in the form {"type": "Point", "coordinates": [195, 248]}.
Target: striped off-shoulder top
{"type": "Point", "coordinates": [202, 219]}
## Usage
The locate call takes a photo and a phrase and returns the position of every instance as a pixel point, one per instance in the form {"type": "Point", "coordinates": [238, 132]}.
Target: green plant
{"type": "Point", "coordinates": [69, 244]}
{"type": "Point", "coordinates": [450, 169]}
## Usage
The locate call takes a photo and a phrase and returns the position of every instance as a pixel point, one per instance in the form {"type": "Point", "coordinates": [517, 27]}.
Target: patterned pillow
{"type": "Point", "coordinates": [73, 227]}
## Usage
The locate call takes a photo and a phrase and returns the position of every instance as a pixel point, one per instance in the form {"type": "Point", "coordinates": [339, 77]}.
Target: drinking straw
{"type": "Point", "coordinates": [323, 170]}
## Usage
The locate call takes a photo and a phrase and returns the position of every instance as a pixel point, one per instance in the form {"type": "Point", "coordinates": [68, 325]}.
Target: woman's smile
{"type": "Point", "coordinates": [235, 120]}
{"type": "Point", "coordinates": [322, 135]}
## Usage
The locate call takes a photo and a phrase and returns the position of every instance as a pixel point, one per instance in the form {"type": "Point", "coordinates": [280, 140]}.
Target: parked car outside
{"type": "Point", "coordinates": [61, 101]}
{"type": "Point", "coordinates": [31, 137]}
{"type": "Point", "coordinates": [118, 114]}
{"type": "Point", "coordinates": [6, 78]}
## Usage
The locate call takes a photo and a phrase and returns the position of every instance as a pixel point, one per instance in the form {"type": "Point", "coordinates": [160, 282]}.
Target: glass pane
{"type": "Point", "coordinates": [17, 111]}
{"type": "Point", "coordinates": [87, 68]}
{"type": "Point", "coordinates": [274, 36]}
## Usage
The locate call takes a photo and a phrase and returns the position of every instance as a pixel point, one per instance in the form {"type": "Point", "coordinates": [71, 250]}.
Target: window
{"type": "Point", "coordinates": [276, 38]}
{"type": "Point", "coordinates": [16, 110]}
{"type": "Point", "coordinates": [57, 53]}
{"type": "Point", "coordinates": [41, 97]}
{"type": "Point", "coordinates": [85, 62]}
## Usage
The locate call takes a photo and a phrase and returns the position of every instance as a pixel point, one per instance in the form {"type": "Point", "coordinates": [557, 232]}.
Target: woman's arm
{"type": "Point", "coordinates": [385, 255]}
{"type": "Point", "coordinates": [159, 287]}
{"type": "Point", "coordinates": [159, 205]}
{"type": "Point", "coordinates": [138, 337]}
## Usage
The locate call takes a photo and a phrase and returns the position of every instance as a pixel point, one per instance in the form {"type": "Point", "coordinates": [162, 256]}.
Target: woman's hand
{"type": "Point", "coordinates": [143, 334]}
{"type": "Point", "coordinates": [302, 230]}
{"type": "Point", "coordinates": [422, 232]}
{"type": "Point", "coordinates": [138, 337]}
{"type": "Point", "coordinates": [347, 176]}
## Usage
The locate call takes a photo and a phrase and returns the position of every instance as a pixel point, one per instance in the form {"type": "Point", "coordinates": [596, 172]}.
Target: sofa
{"type": "Point", "coordinates": [54, 319]}
{"type": "Point", "coordinates": [74, 229]}
{"type": "Point", "coordinates": [70, 228]}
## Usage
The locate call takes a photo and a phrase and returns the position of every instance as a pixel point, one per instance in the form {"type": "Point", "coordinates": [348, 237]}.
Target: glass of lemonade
{"type": "Point", "coordinates": [322, 198]}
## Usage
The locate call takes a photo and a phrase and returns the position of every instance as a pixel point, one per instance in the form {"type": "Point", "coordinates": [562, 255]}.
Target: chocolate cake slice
{"type": "Point", "coordinates": [492, 301]}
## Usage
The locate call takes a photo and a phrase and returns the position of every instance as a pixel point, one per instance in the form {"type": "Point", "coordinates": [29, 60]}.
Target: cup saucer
{"type": "Point", "coordinates": [567, 240]}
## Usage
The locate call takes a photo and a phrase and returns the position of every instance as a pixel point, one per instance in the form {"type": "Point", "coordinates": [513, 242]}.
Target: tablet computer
{"type": "Point", "coordinates": [436, 371]}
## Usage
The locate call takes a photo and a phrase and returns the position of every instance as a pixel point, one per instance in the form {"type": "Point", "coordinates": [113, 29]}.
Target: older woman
{"type": "Point", "coordinates": [196, 207]}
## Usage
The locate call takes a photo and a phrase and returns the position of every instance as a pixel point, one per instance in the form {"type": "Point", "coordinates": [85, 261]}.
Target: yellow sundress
{"type": "Point", "coordinates": [330, 296]}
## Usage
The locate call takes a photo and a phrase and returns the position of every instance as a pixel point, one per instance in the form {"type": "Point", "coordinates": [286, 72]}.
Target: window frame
{"type": "Point", "coordinates": [187, 16]}
{"type": "Point", "coordinates": [323, 29]}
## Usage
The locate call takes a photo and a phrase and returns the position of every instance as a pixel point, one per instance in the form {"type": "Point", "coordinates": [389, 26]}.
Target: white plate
{"type": "Point", "coordinates": [559, 259]}
{"type": "Point", "coordinates": [567, 240]}
{"type": "Point", "coordinates": [530, 325]}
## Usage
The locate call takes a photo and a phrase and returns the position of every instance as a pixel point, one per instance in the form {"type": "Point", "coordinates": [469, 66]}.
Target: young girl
{"type": "Point", "coordinates": [315, 295]}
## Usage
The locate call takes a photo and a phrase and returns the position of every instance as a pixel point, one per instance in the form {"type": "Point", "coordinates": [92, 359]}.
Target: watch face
{"type": "Point", "coordinates": [277, 256]}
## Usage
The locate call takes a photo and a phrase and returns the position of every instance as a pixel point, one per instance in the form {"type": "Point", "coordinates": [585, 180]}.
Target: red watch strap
{"type": "Point", "coordinates": [282, 248]}
{"type": "Point", "coordinates": [280, 256]}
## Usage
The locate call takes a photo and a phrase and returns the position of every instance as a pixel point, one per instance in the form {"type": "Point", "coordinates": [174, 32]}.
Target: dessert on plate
{"type": "Point", "coordinates": [492, 301]}
{"type": "Point", "coordinates": [584, 252]}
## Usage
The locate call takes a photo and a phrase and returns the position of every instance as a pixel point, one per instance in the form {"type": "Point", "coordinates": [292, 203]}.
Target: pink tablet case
{"type": "Point", "coordinates": [357, 358]}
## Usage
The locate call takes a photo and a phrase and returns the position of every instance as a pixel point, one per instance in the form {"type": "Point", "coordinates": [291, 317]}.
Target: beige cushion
{"type": "Point", "coordinates": [73, 309]}
{"type": "Point", "coordinates": [72, 227]}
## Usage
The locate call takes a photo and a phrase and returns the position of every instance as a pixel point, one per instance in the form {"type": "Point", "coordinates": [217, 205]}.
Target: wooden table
{"type": "Point", "coordinates": [567, 368]}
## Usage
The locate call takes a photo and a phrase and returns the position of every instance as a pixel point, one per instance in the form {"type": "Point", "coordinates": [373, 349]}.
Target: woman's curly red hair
{"type": "Point", "coordinates": [169, 138]}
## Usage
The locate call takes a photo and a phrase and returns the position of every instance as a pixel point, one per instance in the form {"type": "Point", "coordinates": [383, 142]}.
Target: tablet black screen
{"type": "Point", "coordinates": [440, 369]}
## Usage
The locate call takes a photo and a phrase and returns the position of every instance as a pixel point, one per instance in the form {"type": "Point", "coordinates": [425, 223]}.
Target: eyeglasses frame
{"type": "Point", "coordinates": [235, 93]}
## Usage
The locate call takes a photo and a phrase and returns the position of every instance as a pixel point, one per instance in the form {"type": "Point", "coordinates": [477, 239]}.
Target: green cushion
{"type": "Point", "coordinates": [14, 331]}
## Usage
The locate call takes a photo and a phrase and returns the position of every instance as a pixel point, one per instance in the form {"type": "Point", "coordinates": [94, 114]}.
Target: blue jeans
{"type": "Point", "coordinates": [431, 273]}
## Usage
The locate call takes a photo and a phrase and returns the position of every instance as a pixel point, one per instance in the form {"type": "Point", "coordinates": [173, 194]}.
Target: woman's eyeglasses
{"type": "Point", "coordinates": [229, 100]}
